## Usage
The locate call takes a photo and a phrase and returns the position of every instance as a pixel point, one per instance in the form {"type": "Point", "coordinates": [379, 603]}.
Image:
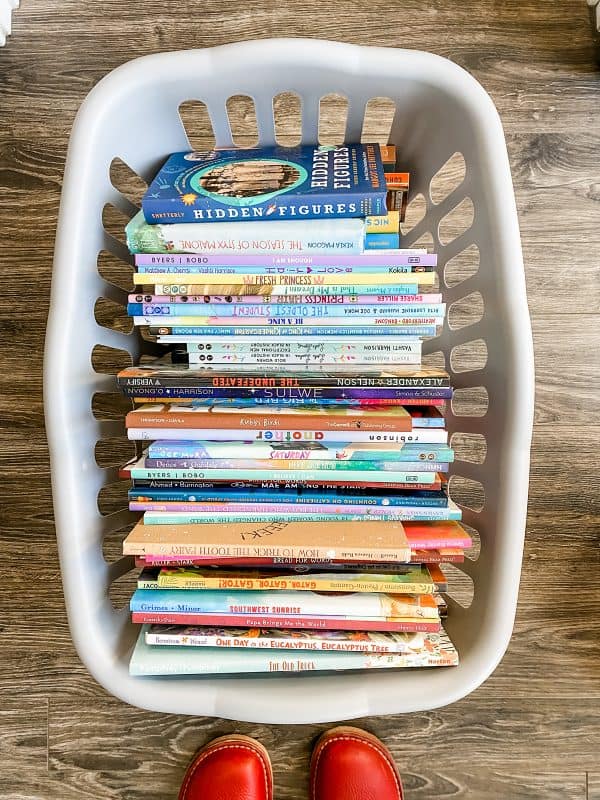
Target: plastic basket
{"type": "Point", "coordinates": [440, 111]}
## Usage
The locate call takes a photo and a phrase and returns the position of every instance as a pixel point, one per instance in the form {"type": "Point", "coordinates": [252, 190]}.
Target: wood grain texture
{"type": "Point", "coordinates": [525, 734]}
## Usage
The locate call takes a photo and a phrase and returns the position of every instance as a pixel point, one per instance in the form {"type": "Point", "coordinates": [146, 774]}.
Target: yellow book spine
{"type": "Point", "coordinates": [347, 279]}
{"type": "Point", "coordinates": [389, 223]}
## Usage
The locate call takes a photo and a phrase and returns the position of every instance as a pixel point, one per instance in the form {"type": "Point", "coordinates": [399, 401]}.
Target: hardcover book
{"type": "Point", "coordinates": [290, 603]}
{"type": "Point", "coordinates": [149, 660]}
{"type": "Point", "coordinates": [304, 182]}
{"type": "Point", "coordinates": [412, 579]}
{"type": "Point", "coordinates": [196, 415]}
{"type": "Point", "coordinates": [275, 639]}
{"type": "Point", "coordinates": [162, 372]}
{"type": "Point", "coordinates": [287, 610]}
{"type": "Point", "coordinates": [352, 541]}
{"type": "Point", "coordinates": [309, 451]}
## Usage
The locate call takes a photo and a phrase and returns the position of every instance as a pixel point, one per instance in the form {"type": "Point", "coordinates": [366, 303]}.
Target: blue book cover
{"type": "Point", "coordinates": [304, 182]}
{"type": "Point", "coordinates": [382, 241]}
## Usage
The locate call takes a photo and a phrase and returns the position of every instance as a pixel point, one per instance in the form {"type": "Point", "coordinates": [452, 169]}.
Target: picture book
{"type": "Point", "coordinates": [338, 497]}
{"type": "Point", "coordinates": [265, 292]}
{"type": "Point", "coordinates": [148, 578]}
{"type": "Point", "coordinates": [194, 415]}
{"type": "Point", "coordinates": [303, 182]}
{"type": "Point", "coordinates": [424, 436]}
{"type": "Point", "coordinates": [370, 605]}
{"type": "Point", "coordinates": [138, 470]}
{"type": "Point", "coordinates": [324, 483]}
{"type": "Point", "coordinates": [209, 513]}
{"type": "Point", "coordinates": [353, 541]}
{"type": "Point", "coordinates": [427, 535]}
{"type": "Point", "coordinates": [308, 450]}
{"type": "Point", "coordinates": [428, 557]}
{"type": "Point", "coordinates": [162, 372]}
{"type": "Point", "coordinates": [351, 276]}
{"type": "Point", "coordinates": [279, 262]}
{"type": "Point", "coordinates": [360, 611]}
{"type": "Point", "coordinates": [257, 238]}
{"type": "Point", "coordinates": [273, 639]}
{"type": "Point", "coordinates": [413, 579]}
{"type": "Point", "coordinates": [150, 660]}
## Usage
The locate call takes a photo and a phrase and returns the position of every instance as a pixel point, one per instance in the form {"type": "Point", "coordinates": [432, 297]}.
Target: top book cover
{"type": "Point", "coordinates": [305, 182]}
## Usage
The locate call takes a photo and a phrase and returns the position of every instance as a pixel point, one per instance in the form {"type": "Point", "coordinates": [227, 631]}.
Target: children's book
{"type": "Point", "coordinates": [162, 372]}
{"type": "Point", "coordinates": [414, 579]}
{"type": "Point", "coordinates": [415, 644]}
{"type": "Point", "coordinates": [338, 498]}
{"type": "Point", "coordinates": [182, 660]}
{"type": "Point", "coordinates": [422, 436]}
{"type": "Point", "coordinates": [308, 451]}
{"type": "Point", "coordinates": [268, 183]}
{"type": "Point", "coordinates": [353, 541]}
{"type": "Point", "coordinates": [283, 609]}
{"type": "Point", "coordinates": [229, 416]}
{"type": "Point", "coordinates": [426, 474]}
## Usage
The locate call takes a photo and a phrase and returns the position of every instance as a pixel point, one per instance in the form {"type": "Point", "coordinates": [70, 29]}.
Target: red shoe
{"type": "Point", "coordinates": [350, 764]}
{"type": "Point", "coordinates": [229, 768]}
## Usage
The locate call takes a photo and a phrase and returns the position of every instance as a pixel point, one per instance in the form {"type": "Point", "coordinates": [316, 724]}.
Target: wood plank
{"type": "Point", "coordinates": [23, 738]}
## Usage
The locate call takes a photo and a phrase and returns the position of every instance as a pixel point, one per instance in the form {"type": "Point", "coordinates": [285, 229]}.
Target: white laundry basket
{"type": "Point", "coordinates": [440, 110]}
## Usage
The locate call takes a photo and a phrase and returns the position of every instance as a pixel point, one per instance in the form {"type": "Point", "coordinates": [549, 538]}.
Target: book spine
{"type": "Point", "coordinates": [199, 449]}
{"type": "Point", "coordinates": [382, 241]}
{"type": "Point", "coordinates": [187, 332]}
{"type": "Point", "coordinates": [183, 513]}
{"type": "Point", "coordinates": [295, 464]}
{"type": "Point", "coordinates": [200, 498]}
{"type": "Point", "coordinates": [217, 550]}
{"type": "Point", "coordinates": [374, 277]}
{"type": "Point", "coordinates": [299, 583]}
{"type": "Point", "coordinates": [274, 505]}
{"type": "Point", "coordinates": [323, 360]}
{"type": "Point", "coordinates": [305, 394]}
{"type": "Point", "coordinates": [247, 402]}
{"type": "Point", "coordinates": [306, 514]}
{"type": "Point", "coordinates": [306, 310]}
{"type": "Point", "coordinates": [412, 300]}
{"type": "Point", "coordinates": [263, 272]}
{"type": "Point", "coordinates": [386, 385]}
{"type": "Point", "coordinates": [384, 223]}
{"type": "Point", "coordinates": [280, 642]}
{"type": "Point", "coordinates": [173, 261]}
{"type": "Point", "coordinates": [286, 664]}
{"type": "Point", "coordinates": [273, 621]}
{"type": "Point", "coordinates": [370, 476]}
{"type": "Point", "coordinates": [417, 557]}
{"type": "Point", "coordinates": [251, 238]}
{"type": "Point", "coordinates": [367, 423]}
{"type": "Point", "coordinates": [424, 435]}
{"type": "Point", "coordinates": [266, 292]}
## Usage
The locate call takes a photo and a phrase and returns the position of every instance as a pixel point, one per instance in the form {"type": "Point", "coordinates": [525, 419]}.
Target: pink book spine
{"type": "Point", "coordinates": [397, 258]}
{"type": "Point", "coordinates": [437, 544]}
{"type": "Point", "coordinates": [261, 621]}
{"type": "Point", "coordinates": [268, 508]}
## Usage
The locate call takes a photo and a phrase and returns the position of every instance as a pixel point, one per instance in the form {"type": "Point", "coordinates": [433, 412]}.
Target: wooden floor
{"type": "Point", "coordinates": [532, 730]}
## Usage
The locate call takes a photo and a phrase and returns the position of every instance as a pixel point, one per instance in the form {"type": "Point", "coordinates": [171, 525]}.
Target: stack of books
{"type": "Point", "coordinates": [294, 488]}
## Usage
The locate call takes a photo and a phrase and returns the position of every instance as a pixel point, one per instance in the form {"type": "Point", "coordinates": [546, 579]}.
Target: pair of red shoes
{"type": "Point", "coordinates": [346, 764]}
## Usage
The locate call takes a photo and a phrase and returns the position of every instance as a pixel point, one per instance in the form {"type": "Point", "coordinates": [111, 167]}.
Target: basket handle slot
{"type": "Point", "coordinates": [286, 111]}
{"type": "Point", "coordinates": [379, 116]}
{"type": "Point", "coordinates": [241, 113]}
{"type": "Point", "coordinates": [333, 116]}
{"type": "Point", "coordinates": [129, 185]}
{"type": "Point", "coordinates": [197, 124]}
{"type": "Point", "coordinates": [448, 178]}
